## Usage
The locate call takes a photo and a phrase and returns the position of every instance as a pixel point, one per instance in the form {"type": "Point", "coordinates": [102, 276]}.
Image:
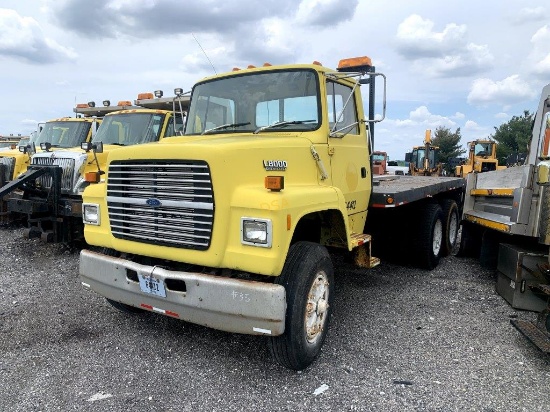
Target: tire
{"type": "Point", "coordinates": [429, 236]}
{"type": "Point", "coordinates": [309, 282]}
{"type": "Point", "coordinates": [451, 222]}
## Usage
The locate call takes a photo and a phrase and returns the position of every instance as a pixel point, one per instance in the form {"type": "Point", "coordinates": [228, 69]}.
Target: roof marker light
{"type": "Point", "coordinates": [142, 96]}
{"type": "Point", "coordinates": [355, 63]}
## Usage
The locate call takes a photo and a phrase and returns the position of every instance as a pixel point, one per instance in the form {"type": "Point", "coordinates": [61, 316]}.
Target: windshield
{"type": "Point", "coordinates": [419, 156]}
{"type": "Point", "coordinates": [126, 129]}
{"type": "Point", "coordinates": [63, 134]}
{"type": "Point", "coordinates": [483, 149]}
{"type": "Point", "coordinates": [274, 101]}
{"type": "Point", "coordinates": [378, 157]}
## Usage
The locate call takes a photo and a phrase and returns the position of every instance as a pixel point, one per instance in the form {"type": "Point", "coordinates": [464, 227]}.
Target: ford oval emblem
{"type": "Point", "coordinates": [153, 202]}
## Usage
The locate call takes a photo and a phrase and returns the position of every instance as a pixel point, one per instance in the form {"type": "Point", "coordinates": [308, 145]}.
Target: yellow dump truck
{"type": "Point", "coordinates": [230, 225]}
{"type": "Point", "coordinates": [51, 196]}
{"type": "Point", "coordinates": [506, 222]}
{"type": "Point", "coordinates": [423, 160]}
{"type": "Point", "coordinates": [482, 157]}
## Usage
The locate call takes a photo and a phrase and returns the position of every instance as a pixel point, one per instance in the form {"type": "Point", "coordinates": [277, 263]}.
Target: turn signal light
{"type": "Point", "coordinates": [275, 183]}
{"type": "Point", "coordinates": [389, 200]}
{"type": "Point", "coordinates": [92, 177]}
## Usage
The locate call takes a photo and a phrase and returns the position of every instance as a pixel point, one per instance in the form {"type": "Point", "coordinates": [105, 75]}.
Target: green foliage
{"type": "Point", "coordinates": [513, 136]}
{"type": "Point", "coordinates": [449, 145]}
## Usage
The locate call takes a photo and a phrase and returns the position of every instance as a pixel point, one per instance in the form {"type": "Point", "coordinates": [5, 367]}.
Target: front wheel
{"type": "Point", "coordinates": [309, 282]}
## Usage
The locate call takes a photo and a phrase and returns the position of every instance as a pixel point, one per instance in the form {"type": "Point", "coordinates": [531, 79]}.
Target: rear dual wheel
{"type": "Point", "coordinates": [451, 223]}
{"type": "Point", "coordinates": [429, 236]}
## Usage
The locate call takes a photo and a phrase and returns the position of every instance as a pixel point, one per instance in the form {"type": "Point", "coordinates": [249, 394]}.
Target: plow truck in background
{"type": "Point", "coordinates": [482, 157]}
{"type": "Point", "coordinates": [57, 134]}
{"type": "Point", "coordinates": [506, 222]}
{"type": "Point", "coordinates": [49, 195]}
{"type": "Point", "coordinates": [230, 225]}
{"type": "Point", "coordinates": [423, 160]}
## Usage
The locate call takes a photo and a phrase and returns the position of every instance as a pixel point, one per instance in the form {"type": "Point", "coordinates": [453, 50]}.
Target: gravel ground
{"type": "Point", "coordinates": [400, 339]}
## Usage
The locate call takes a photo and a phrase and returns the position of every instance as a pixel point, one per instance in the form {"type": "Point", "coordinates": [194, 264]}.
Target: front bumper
{"type": "Point", "coordinates": [227, 304]}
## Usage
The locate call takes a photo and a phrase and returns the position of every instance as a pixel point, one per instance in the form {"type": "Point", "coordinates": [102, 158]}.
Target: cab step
{"type": "Point", "coordinates": [362, 255]}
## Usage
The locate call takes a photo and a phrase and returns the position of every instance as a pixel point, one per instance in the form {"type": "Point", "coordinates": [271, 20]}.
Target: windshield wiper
{"type": "Point", "coordinates": [281, 124]}
{"type": "Point", "coordinates": [225, 126]}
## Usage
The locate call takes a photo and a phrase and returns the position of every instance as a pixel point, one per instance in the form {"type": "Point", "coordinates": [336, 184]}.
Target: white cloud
{"type": "Point", "coordinates": [416, 38]}
{"type": "Point", "coordinates": [527, 15]}
{"type": "Point", "coordinates": [22, 38]}
{"type": "Point", "coordinates": [441, 54]}
{"type": "Point", "coordinates": [508, 91]}
{"type": "Point", "coordinates": [421, 116]}
{"type": "Point", "coordinates": [326, 12]}
{"type": "Point", "coordinates": [470, 125]}
{"type": "Point", "coordinates": [539, 58]}
{"type": "Point", "coordinates": [502, 115]}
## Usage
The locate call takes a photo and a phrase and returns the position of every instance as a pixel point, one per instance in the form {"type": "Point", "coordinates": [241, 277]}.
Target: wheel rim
{"type": "Point", "coordinates": [437, 238]}
{"type": "Point", "coordinates": [317, 307]}
{"type": "Point", "coordinates": [453, 229]}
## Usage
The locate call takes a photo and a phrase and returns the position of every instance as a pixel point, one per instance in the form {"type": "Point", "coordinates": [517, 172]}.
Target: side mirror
{"type": "Point", "coordinates": [96, 147]}
{"type": "Point", "coordinates": [408, 157]}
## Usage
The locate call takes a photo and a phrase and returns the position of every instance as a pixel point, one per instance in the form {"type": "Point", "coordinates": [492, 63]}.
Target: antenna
{"type": "Point", "coordinates": [204, 54]}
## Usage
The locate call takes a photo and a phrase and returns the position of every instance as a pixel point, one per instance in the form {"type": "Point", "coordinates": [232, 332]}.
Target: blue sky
{"type": "Point", "coordinates": [467, 64]}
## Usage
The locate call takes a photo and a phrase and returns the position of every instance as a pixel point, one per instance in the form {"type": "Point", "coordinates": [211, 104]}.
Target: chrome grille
{"type": "Point", "coordinates": [67, 165]}
{"type": "Point", "coordinates": [161, 202]}
{"type": "Point", "coordinates": [9, 166]}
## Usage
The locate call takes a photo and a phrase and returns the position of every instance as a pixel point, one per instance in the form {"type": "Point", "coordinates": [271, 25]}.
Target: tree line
{"type": "Point", "coordinates": [512, 137]}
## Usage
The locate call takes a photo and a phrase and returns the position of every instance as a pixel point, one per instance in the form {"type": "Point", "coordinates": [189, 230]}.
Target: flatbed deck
{"type": "Point", "coordinates": [393, 191]}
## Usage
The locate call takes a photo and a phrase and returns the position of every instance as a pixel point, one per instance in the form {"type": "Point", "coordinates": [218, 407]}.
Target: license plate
{"type": "Point", "coordinates": [154, 286]}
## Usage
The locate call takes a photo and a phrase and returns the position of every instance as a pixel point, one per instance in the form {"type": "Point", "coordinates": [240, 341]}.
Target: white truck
{"type": "Point", "coordinates": [506, 222]}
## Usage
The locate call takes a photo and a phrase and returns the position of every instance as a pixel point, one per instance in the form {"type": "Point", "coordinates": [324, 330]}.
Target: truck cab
{"type": "Point", "coordinates": [51, 197]}
{"type": "Point", "coordinates": [55, 134]}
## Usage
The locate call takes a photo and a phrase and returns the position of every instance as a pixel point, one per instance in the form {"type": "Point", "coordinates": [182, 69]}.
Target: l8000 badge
{"type": "Point", "coordinates": [275, 165]}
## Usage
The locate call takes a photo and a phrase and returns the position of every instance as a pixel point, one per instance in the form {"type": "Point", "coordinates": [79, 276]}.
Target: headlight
{"type": "Point", "coordinates": [90, 213]}
{"type": "Point", "coordinates": [256, 232]}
